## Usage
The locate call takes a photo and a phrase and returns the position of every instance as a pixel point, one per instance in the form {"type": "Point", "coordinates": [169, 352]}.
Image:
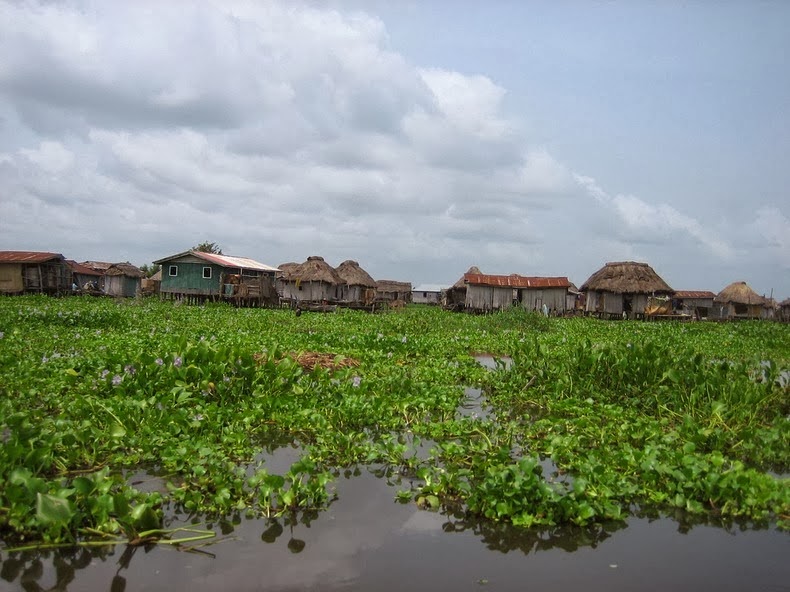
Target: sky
{"type": "Point", "coordinates": [417, 138]}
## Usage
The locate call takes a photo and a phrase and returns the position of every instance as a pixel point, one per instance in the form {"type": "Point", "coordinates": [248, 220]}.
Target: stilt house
{"type": "Point", "coordinates": [196, 276]}
{"type": "Point", "coordinates": [312, 281]}
{"type": "Point", "coordinates": [694, 303]}
{"type": "Point", "coordinates": [738, 301]}
{"type": "Point", "coordinates": [358, 287]}
{"type": "Point", "coordinates": [623, 287]}
{"type": "Point", "coordinates": [488, 293]}
{"type": "Point", "coordinates": [34, 272]}
{"type": "Point", "coordinates": [455, 296]}
{"type": "Point", "coordinates": [123, 280]}
{"type": "Point", "coordinates": [392, 291]}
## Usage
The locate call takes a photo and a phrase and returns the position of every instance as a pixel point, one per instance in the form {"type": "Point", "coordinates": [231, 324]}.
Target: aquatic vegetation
{"type": "Point", "coordinates": [589, 420]}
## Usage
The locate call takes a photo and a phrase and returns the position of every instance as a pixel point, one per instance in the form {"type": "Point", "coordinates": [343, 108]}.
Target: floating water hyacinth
{"type": "Point", "coordinates": [177, 362]}
{"type": "Point", "coordinates": [116, 380]}
{"type": "Point", "coordinates": [104, 373]}
{"type": "Point", "coordinates": [129, 369]}
{"type": "Point", "coordinates": [357, 380]}
{"type": "Point", "coordinates": [159, 361]}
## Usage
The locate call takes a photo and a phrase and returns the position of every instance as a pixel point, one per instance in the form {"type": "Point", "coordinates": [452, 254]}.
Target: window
{"type": "Point", "coordinates": [206, 273]}
{"type": "Point", "coordinates": [173, 270]}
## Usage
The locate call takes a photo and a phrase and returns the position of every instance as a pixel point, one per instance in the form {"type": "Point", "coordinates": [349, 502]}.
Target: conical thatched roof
{"type": "Point", "coordinates": [739, 293]}
{"type": "Point", "coordinates": [460, 284]}
{"type": "Point", "coordinates": [287, 268]}
{"type": "Point", "coordinates": [353, 275]}
{"type": "Point", "coordinates": [315, 269]}
{"type": "Point", "coordinates": [785, 302]}
{"type": "Point", "coordinates": [626, 277]}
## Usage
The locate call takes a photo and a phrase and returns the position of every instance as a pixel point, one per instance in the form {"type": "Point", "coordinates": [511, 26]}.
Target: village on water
{"type": "Point", "coordinates": [618, 290]}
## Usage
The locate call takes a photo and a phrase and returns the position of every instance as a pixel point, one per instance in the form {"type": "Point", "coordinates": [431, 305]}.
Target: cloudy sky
{"type": "Point", "coordinates": [415, 137]}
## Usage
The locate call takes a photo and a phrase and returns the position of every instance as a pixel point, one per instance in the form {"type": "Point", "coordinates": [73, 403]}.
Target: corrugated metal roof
{"type": "Point", "coordinates": [516, 281]}
{"type": "Point", "coordinates": [428, 288]}
{"type": "Point", "coordinates": [241, 262]}
{"type": "Point", "coordinates": [694, 294]}
{"type": "Point", "coordinates": [81, 269]}
{"type": "Point", "coordinates": [224, 260]}
{"type": "Point", "coordinates": [27, 256]}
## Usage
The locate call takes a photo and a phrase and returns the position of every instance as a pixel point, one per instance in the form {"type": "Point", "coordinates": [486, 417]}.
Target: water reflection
{"type": "Point", "coordinates": [366, 540]}
{"type": "Point", "coordinates": [493, 362]}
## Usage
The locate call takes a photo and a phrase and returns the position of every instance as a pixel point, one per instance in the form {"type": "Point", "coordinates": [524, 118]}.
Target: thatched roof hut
{"type": "Point", "coordinates": [739, 301]}
{"type": "Point", "coordinates": [358, 286]}
{"type": "Point", "coordinates": [312, 281]}
{"type": "Point", "coordinates": [315, 269]}
{"type": "Point", "coordinates": [626, 277]}
{"type": "Point", "coordinates": [622, 288]}
{"type": "Point", "coordinates": [456, 294]}
{"type": "Point", "coordinates": [353, 275]}
{"type": "Point", "coordinates": [123, 279]}
{"type": "Point", "coordinates": [393, 290]}
{"type": "Point", "coordinates": [739, 293]}
{"type": "Point", "coordinates": [286, 269]}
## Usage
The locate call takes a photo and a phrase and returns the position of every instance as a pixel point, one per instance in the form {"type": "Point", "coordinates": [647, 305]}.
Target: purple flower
{"type": "Point", "coordinates": [357, 380]}
{"type": "Point", "coordinates": [403, 340]}
{"type": "Point", "coordinates": [44, 359]}
{"type": "Point", "coordinates": [159, 361]}
{"type": "Point", "coordinates": [104, 373]}
{"type": "Point", "coordinates": [177, 362]}
{"type": "Point", "coordinates": [129, 369]}
{"type": "Point", "coordinates": [116, 380]}
{"type": "Point", "coordinates": [2, 334]}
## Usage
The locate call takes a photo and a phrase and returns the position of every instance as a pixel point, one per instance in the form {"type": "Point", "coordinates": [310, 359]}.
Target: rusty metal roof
{"type": "Point", "coordinates": [27, 257]}
{"type": "Point", "coordinates": [694, 294]}
{"type": "Point", "coordinates": [224, 260]}
{"type": "Point", "coordinates": [516, 281]}
{"type": "Point", "coordinates": [81, 269]}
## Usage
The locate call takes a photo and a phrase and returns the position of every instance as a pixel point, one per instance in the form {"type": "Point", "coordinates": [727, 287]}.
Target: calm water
{"type": "Point", "coordinates": [366, 541]}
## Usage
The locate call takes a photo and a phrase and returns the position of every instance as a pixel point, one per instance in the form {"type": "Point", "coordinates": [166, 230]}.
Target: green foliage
{"type": "Point", "coordinates": [208, 247]}
{"type": "Point", "coordinates": [591, 420]}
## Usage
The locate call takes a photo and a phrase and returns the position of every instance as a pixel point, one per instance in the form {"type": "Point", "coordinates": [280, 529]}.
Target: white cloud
{"type": "Point", "coordinates": [51, 157]}
{"type": "Point", "coordinates": [132, 130]}
{"type": "Point", "coordinates": [644, 221]}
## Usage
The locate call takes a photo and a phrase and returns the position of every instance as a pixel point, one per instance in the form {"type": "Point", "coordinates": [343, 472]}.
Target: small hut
{"type": "Point", "coordinates": [151, 285]}
{"type": "Point", "coordinates": [312, 281]}
{"type": "Point", "coordinates": [784, 310]}
{"type": "Point", "coordinates": [123, 279]}
{"type": "Point", "coordinates": [455, 296]}
{"type": "Point", "coordinates": [427, 294]}
{"type": "Point", "coordinates": [358, 287]}
{"type": "Point", "coordinates": [487, 293]}
{"type": "Point", "coordinates": [85, 278]}
{"type": "Point", "coordinates": [34, 272]}
{"type": "Point", "coordinates": [693, 303]}
{"type": "Point", "coordinates": [574, 302]}
{"type": "Point", "coordinates": [623, 287]}
{"type": "Point", "coordinates": [738, 301]}
{"type": "Point", "coordinates": [392, 291]}
{"type": "Point", "coordinates": [101, 268]}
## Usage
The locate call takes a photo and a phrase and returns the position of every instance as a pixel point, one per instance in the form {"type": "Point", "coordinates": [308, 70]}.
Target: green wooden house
{"type": "Point", "coordinates": [194, 276]}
